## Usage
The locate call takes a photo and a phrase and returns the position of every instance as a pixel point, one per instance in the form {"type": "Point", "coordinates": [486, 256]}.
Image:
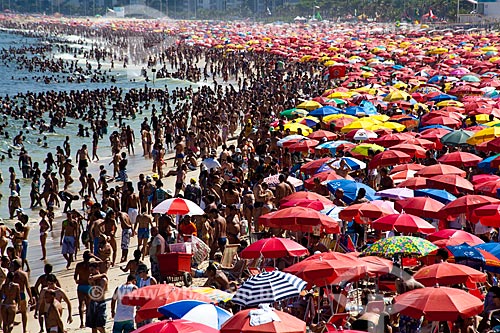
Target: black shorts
{"type": "Point", "coordinates": [82, 164]}
{"type": "Point", "coordinates": [96, 314]}
{"type": "Point", "coordinates": [258, 204]}
{"type": "Point", "coordinates": [178, 186]}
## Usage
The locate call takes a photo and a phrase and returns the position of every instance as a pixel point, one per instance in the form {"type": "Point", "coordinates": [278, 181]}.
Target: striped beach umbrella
{"type": "Point", "coordinates": [178, 206]}
{"type": "Point", "coordinates": [268, 287]}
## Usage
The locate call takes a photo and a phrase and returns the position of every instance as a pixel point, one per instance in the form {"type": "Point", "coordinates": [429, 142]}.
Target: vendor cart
{"type": "Point", "coordinates": [175, 267]}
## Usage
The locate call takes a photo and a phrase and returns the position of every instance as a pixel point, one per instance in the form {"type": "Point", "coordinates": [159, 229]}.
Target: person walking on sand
{"type": "Point", "coordinates": [123, 315]}
{"type": "Point", "coordinates": [53, 313]}
{"type": "Point", "coordinates": [44, 231]}
{"type": "Point", "coordinates": [81, 277]}
{"type": "Point", "coordinates": [44, 300]}
{"type": "Point", "coordinates": [96, 311]}
{"type": "Point", "coordinates": [69, 231]}
{"type": "Point", "coordinates": [127, 232]}
{"type": "Point", "coordinates": [143, 223]}
{"type": "Point", "coordinates": [21, 278]}
{"type": "Point", "coordinates": [11, 298]}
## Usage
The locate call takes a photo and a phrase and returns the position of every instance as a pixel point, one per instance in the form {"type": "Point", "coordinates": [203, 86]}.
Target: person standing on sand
{"type": "Point", "coordinates": [44, 231]}
{"type": "Point", "coordinates": [21, 278]}
{"type": "Point", "coordinates": [123, 315]}
{"type": "Point", "coordinates": [127, 232]}
{"type": "Point", "coordinates": [110, 228]}
{"type": "Point", "coordinates": [40, 284]}
{"type": "Point", "coordinates": [11, 299]}
{"type": "Point", "coordinates": [82, 159]}
{"type": "Point", "coordinates": [143, 223]}
{"type": "Point", "coordinates": [52, 314]}
{"type": "Point", "coordinates": [132, 203]}
{"type": "Point", "coordinates": [133, 264]}
{"type": "Point", "coordinates": [69, 231]}
{"type": "Point", "coordinates": [44, 302]}
{"type": "Point", "coordinates": [81, 277]}
{"type": "Point", "coordinates": [96, 311]}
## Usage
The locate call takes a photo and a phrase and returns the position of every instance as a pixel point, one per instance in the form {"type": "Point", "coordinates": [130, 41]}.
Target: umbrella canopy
{"type": "Point", "coordinates": [412, 150]}
{"type": "Point", "coordinates": [377, 265]}
{"type": "Point", "coordinates": [440, 169]}
{"type": "Point", "coordinates": [421, 206]}
{"type": "Point", "coordinates": [314, 204]}
{"type": "Point", "coordinates": [446, 273]}
{"type": "Point", "coordinates": [460, 159]}
{"type": "Point", "coordinates": [306, 196]}
{"type": "Point", "coordinates": [455, 236]}
{"type": "Point", "coordinates": [405, 223]}
{"type": "Point", "coordinates": [328, 268]}
{"type": "Point", "coordinates": [318, 135]}
{"type": "Point", "coordinates": [396, 193]}
{"type": "Point", "coordinates": [141, 296]}
{"type": "Point", "coordinates": [273, 248]}
{"type": "Point", "coordinates": [240, 323]}
{"type": "Point", "coordinates": [176, 326]}
{"type": "Point", "coordinates": [389, 158]}
{"type": "Point", "coordinates": [351, 189]}
{"type": "Point", "coordinates": [413, 183]}
{"type": "Point", "coordinates": [325, 111]}
{"type": "Point", "coordinates": [363, 211]}
{"type": "Point", "coordinates": [178, 206]}
{"type": "Point", "coordinates": [310, 168]}
{"type": "Point", "coordinates": [452, 183]}
{"type": "Point", "coordinates": [197, 312]}
{"type": "Point", "coordinates": [299, 219]}
{"type": "Point", "coordinates": [467, 203]}
{"type": "Point", "coordinates": [268, 287]}
{"type": "Point", "coordinates": [438, 304]}
{"type": "Point", "coordinates": [467, 255]}
{"type": "Point", "coordinates": [439, 195]}
{"type": "Point", "coordinates": [456, 138]}
{"type": "Point", "coordinates": [400, 245]}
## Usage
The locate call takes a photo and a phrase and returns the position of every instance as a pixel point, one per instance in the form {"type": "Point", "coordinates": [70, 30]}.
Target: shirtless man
{"type": "Point", "coordinates": [11, 299]}
{"type": "Point", "coordinates": [67, 168]}
{"type": "Point", "coordinates": [82, 159]}
{"type": "Point", "coordinates": [53, 312]}
{"type": "Point", "coordinates": [105, 250]}
{"type": "Point", "coordinates": [147, 141]}
{"type": "Point", "coordinates": [91, 186]}
{"type": "Point", "coordinates": [115, 161]}
{"type": "Point", "coordinates": [96, 312]}
{"type": "Point", "coordinates": [179, 153]}
{"type": "Point", "coordinates": [69, 232]}
{"type": "Point", "coordinates": [132, 203]}
{"type": "Point", "coordinates": [21, 278]}
{"type": "Point", "coordinates": [282, 190]}
{"type": "Point", "coordinates": [219, 231]}
{"type": "Point", "coordinates": [110, 228]}
{"type": "Point", "coordinates": [127, 232]}
{"type": "Point", "coordinates": [60, 296]}
{"type": "Point", "coordinates": [233, 225]}
{"type": "Point", "coordinates": [143, 223]}
{"type": "Point", "coordinates": [260, 197]}
{"type": "Point", "coordinates": [81, 277]}
{"type": "Point", "coordinates": [40, 284]}
{"type": "Point", "coordinates": [4, 239]}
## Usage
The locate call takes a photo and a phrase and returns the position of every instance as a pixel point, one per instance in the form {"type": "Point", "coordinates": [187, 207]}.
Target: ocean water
{"type": "Point", "coordinates": [11, 83]}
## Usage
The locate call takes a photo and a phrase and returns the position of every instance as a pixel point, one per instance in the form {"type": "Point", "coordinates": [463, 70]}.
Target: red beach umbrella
{"type": "Point", "coordinates": [405, 223]}
{"type": "Point", "coordinates": [364, 210]}
{"type": "Point", "coordinates": [451, 183]}
{"type": "Point", "coordinates": [274, 248]}
{"type": "Point", "coordinates": [306, 196]}
{"type": "Point", "coordinates": [310, 168]}
{"type": "Point", "coordinates": [440, 169]}
{"type": "Point", "coordinates": [318, 135]}
{"type": "Point", "coordinates": [438, 304]}
{"type": "Point", "coordinates": [420, 206]}
{"type": "Point", "coordinates": [460, 159]}
{"type": "Point", "coordinates": [240, 323]}
{"type": "Point", "coordinates": [389, 158]}
{"type": "Point", "coordinates": [404, 167]}
{"type": "Point", "coordinates": [414, 183]}
{"type": "Point", "coordinates": [455, 236]}
{"type": "Point", "coordinates": [446, 273]}
{"type": "Point", "coordinates": [303, 146]}
{"type": "Point", "coordinates": [299, 219]}
{"type": "Point", "coordinates": [412, 150]}
{"type": "Point", "coordinates": [175, 326]}
{"type": "Point", "coordinates": [467, 203]}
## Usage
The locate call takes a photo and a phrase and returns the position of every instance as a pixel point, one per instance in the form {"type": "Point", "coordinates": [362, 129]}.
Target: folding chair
{"type": "Point", "coordinates": [229, 256]}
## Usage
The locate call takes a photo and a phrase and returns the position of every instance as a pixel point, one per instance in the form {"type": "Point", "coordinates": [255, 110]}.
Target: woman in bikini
{"type": "Point", "coordinates": [11, 297]}
{"type": "Point", "coordinates": [44, 230]}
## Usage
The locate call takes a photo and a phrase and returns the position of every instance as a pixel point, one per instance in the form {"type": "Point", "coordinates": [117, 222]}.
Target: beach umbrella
{"type": "Point", "coordinates": [314, 204]}
{"type": "Point", "coordinates": [404, 167]}
{"type": "Point", "coordinates": [178, 206]}
{"type": "Point", "coordinates": [305, 196]}
{"type": "Point", "coordinates": [310, 168]}
{"type": "Point", "coordinates": [486, 164]}
{"type": "Point", "coordinates": [484, 178]}
{"type": "Point", "coordinates": [175, 326]}
{"type": "Point", "coordinates": [303, 146]}
{"type": "Point", "coordinates": [364, 148]}
{"type": "Point", "coordinates": [299, 219]}
{"type": "Point", "coordinates": [141, 296]}
{"type": "Point", "coordinates": [215, 295]}
{"type": "Point", "coordinates": [351, 189]}
{"type": "Point", "coordinates": [451, 183]}
{"type": "Point", "coordinates": [422, 206]}
{"type": "Point", "coordinates": [494, 145]}
{"type": "Point", "coordinates": [389, 158]}
{"type": "Point", "coordinates": [439, 195]}
{"type": "Point", "coordinates": [197, 312]}
{"type": "Point", "coordinates": [396, 193]}
{"type": "Point", "coordinates": [470, 78]}
{"type": "Point", "coordinates": [486, 134]}
{"type": "Point", "coordinates": [339, 163]}
{"type": "Point", "coordinates": [325, 111]}
{"type": "Point", "coordinates": [361, 135]}
{"type": "Point", "coordinates": [331, 146]}
{"type": "Point", "coordinates": [397, 95]}
{"type": "Point", "coordinates": [295, 128]}
{"type": "Point", "coordinates": [413, 183]}
{"type": "Point", "coordinates": [443, 97]}
{"type": "Point", "coordinates": [328, 268]}
{"type": "Point", "coordinates": [403, 223]}
{"type": "Point", "coordinates": [488, 215]}
{"type": "Point", "coordinates": [402, 176]}
{"type": "Point", "coordinates": [324, 176]}
{"type": "Point", "coordinates": [400, 245]}
{"type": "Point", "coordinates": [412, 150]}
{"type": "Point", "coordinates": [390, 140]}
{"type": "Point", "coordinates": [460, 159]}
{"type": "Point", "coordinates": [446, 273]}
{"type": "Point", "coordinates": [493, 248]}
{"type": "Point", "coordinates": [466, 204]}
{"type": "Point", "coordinates": [268, 287]}
{"type": "Point", "coordinates": [467, 255]}
{"type": "Point", "coordinates": [318, 135]}
{"type": "Point", "coordinates": [454, 237]}
{"type": "Point", "coordinates": [440, 169]}
{"type": "Point", "coordinates": [294, 112]}
{"type": "Point", "coordinates": [274, 247]}
{"type": "Point", "coordinates": [438, 304]}
{"type": "Point", "coordinates": [309, 105]}
{"type": "Point", "coordinates": [456, 138]}
{"type": "Point", "coordinates": [290, 139]}
{"type": "Point", "coordinates": [427, 144]}
{"type": "Point", "coordinates": [281, 322]}
{"type": "Point", "coordinates": [376, 265]}
{"type": "Point", "coordinates": [365, 210]}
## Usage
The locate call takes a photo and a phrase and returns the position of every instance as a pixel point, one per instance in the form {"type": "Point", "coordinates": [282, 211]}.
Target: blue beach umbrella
{"type": "Point", "coordinates": [439, 195]}
{"type": "Point", "coordinates": [332, 145]}
{"type": "Point", "coordinates": [196, 311]}
{"type": "Point", "coordinates": [352, 162]}
{"type": "Point", "coordinates": [493, 248]}
{"type": "Point", "coordinates": [325, 111]}
{"type": "Point", "coordinates": [485, 164]}
{"type": "Point", "coordinates": [467, 255]}
{"type": "Point", "coordinates": [351, 189]}
{"type": "Point", "coordinates": [443, 97]}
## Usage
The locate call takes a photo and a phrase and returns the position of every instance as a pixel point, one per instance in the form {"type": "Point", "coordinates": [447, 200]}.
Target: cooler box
{"type": "Point", "coordinates": [181, 248]}
{"type": "Point", "coordinates": [174, 263]}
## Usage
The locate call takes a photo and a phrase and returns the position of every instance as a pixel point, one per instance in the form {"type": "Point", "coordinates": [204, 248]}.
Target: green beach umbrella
{"type": "Point", "coordinates": [294, 112]}
{"type": "Point", "coordinates": [456, 138]}
{"type": "Point", "coordinates": [400, 245]}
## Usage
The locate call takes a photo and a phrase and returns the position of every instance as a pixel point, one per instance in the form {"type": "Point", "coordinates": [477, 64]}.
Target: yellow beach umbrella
{"type": "Point", "coordinates": [340, 94]}
{"type": "Point", "coordinates": [400, 85]}
{"type": "Point", "coordinates": [397, 95]}
{"type": "Point", "coordinates": [367, 74]}
{"type": "Point", "coordinates": [484, 135]}
{"type": "Point", "coordinates": [483, 119]}
{"type": "Point", "coordinates": [337, 116]}
{"type": "Point", "coordinates": [492, 123]}
{"type": "Point", "coordinates": [309, 105]}
{"type": "Point", "coordinates": [438, 50]}
{"type": "Point", "coordinates": [358, 124]}
{"type": "Point", "coordinates": [392, 125]}
{"type": "Point", "coordinates": [363, 148]}
{"type": "Point", "coordinates": [294, 128]}
{"type": "Point", "coordinates": [450, 103]}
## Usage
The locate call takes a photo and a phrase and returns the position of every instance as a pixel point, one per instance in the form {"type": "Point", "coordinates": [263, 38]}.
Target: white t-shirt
{"type": "Point", "coordinates": [124, 312]}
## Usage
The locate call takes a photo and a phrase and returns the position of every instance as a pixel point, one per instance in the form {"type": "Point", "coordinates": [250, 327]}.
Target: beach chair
{"type": "Point", "coordinates": [338, 319]}
{"type": "Point", "coordinates": [228, 257]}
{"type": "Point", "coordinates": [329, 242]}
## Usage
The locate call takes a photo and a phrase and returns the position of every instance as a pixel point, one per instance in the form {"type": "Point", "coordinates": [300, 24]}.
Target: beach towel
{"type": "Point", "coordinates": [263, 315]}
